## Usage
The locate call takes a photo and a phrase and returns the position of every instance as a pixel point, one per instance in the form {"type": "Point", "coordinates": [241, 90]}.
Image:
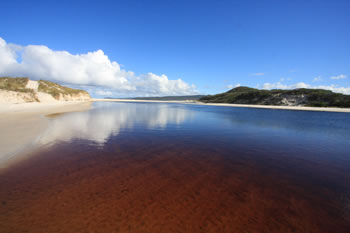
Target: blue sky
{"type": "Point", "coordinates": [214, 45]}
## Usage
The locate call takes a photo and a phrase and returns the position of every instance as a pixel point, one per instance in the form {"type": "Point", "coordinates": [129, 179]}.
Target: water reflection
{"type": "Point", "coordinates": [105, 120]}
{"type": "Point", "coordinates": [108, 119]}
{"type": "Point", "coordinates": [320, 124]}
{"type": "Point", "coordinates": [236, 162]}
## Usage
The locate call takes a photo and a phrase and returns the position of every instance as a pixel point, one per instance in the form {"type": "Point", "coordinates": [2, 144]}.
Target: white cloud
{"type": "Point", "coordinates": [341, 76]}
{"type": "Point", "coordinates": [103, 93]}
{"type": "Point", "coordinates": [277, 85]}
{"type": "Point", "coordinates": [257, 74]}
{"type": "Point", "coordinates": [317, 79]}
{"type": "Point", "coordinates": [334, 88]}
{"type": "Point", "coordinates": [232, 86]}
{"type": "Point", "coordinates": [285, 79]}
{"type": "Point", "coordinates": [89, 69]}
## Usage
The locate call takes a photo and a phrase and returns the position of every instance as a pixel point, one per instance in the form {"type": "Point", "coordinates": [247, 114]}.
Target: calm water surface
{"type": "Point", "coordinates": [153, 167]}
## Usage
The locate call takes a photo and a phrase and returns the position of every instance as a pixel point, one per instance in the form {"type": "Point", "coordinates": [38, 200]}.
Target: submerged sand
{"type": "Point", "coordinates": [22, 124]}
{"type": "Point", "coordinates": [164, 185]}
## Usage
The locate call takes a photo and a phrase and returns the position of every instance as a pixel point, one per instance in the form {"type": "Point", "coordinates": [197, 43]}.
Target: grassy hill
{"type": "Point", "coordinates": [296, 97]}
{"type": "Point", "coordinates": [14, 84]}
{"type": "Point", "coordinates": [19, 85]}
{"type": "Point", "coordinates": [54, 89]}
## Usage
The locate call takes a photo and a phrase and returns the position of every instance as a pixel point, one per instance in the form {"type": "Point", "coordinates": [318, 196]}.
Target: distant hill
{"type": "Point", "coordinates": [165, 98]}
{"type": "Point", "coordinates": [22, 90]}
{"type": "Point", "coordinates": [296, 97]}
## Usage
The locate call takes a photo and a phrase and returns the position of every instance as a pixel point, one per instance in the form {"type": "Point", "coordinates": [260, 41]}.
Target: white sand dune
{"type": "Point", "coordinates": [32, 85]}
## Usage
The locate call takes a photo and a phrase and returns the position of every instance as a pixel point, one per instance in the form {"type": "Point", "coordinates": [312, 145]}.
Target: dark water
{"type": "Point", "coordinates": [144, 167]}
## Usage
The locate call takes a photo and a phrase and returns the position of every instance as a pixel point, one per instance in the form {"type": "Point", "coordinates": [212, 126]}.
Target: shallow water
{"type": "Point", "coordinates": [152, 167]}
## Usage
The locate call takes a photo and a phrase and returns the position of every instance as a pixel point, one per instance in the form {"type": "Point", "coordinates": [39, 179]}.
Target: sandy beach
{"type": "Point", "coordinates": [22, 124]}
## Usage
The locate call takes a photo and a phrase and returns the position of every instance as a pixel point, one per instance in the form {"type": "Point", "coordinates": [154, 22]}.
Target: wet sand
{"type": "Point", "coordinates": [22, 124]}
{"type": "Point", "coordinates": [157, 185]}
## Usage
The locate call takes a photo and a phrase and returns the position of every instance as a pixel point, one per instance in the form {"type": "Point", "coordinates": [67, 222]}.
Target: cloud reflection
{"type": "Point", "coordinates": [109, 119]}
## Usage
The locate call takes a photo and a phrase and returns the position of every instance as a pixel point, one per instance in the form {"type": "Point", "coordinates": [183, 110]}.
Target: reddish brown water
{"type": "Point", "coordinates": [187, 179]}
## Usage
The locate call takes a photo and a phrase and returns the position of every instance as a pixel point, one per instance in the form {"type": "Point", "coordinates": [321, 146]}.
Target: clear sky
{"type": "Point", "coordinates": [214, 45]}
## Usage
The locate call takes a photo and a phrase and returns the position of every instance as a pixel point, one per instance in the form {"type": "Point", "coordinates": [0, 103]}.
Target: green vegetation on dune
{"type": "Point", "coordinates": [296, 97]}
{"type": "Point", "coordinates": [14, 84]}
{"type": "Point", "coordinates": [55, 89]}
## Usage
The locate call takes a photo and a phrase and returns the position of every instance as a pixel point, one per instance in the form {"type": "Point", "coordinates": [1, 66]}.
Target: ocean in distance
{"type": "Point", "coordinates": [167, 167]}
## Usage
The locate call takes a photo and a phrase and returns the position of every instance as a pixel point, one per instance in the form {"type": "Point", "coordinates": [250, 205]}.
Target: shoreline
{"type": "Point", "coordinates": [294, 108]}
{"type": "Point", "coordinates": [22, 125]}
